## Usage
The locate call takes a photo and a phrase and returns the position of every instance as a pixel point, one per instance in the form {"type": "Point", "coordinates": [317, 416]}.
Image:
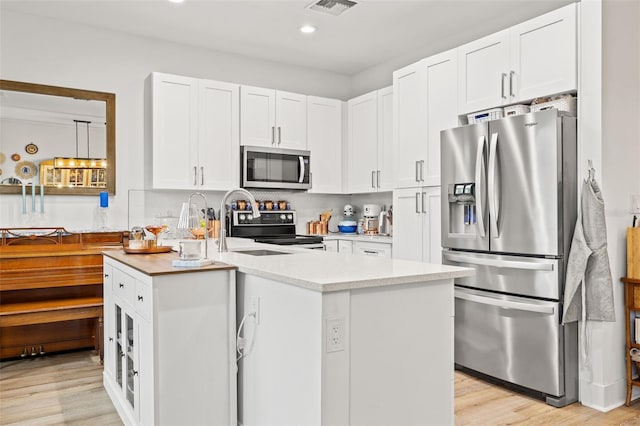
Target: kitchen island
{"type": "Point", "coordinates": [332, 339]}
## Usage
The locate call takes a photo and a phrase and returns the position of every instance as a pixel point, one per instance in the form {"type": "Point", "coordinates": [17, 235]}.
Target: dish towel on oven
{"type": "Point", "coordinates": [588, 291]}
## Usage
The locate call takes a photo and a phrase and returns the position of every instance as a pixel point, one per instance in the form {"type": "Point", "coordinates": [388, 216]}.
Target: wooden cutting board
{"type": "Point", "coordinates": [633, 253]}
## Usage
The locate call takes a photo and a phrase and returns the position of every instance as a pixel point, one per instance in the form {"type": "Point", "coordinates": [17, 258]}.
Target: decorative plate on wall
{"type": "Point", "coordinates": [31, 148]}
{"type": "Point", "coordinates": [15, 157]}
{"type": "Point", "coordinates": [26, 169]}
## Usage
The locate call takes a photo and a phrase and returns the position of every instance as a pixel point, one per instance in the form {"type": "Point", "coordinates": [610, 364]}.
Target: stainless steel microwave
{"type": "Point", "coordinates": [274, 168]}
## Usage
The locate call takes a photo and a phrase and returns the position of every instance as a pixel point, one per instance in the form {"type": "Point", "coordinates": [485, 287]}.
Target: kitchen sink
{"type": "Point", "coordinates": [261, 252]}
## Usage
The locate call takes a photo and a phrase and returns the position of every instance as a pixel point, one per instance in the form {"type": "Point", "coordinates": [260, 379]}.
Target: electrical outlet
{"type": "Point", "coordinates": [255, 307]}
{"type": "Point", "coordinates": [335, 335]}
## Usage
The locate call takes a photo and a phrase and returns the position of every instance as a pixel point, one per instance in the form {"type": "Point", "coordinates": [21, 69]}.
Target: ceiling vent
{"type": "Point", "coordinates": [332, 7]}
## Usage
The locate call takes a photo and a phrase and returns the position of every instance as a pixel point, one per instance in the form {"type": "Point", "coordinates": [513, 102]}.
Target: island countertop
{"type": "Point", "coordinates": [159, 263]}
{"type": "Point", "coordinates": [327, 272]}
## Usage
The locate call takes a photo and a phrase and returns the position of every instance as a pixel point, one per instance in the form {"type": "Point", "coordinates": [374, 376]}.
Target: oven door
{"type": "Point", "coordinates": [275, 168]}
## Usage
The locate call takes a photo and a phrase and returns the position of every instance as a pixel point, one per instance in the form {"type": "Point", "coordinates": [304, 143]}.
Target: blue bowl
{"type": "Point", "coordinates": [347, 229]}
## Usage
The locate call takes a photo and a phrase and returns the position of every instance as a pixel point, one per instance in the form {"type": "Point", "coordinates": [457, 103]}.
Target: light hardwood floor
{"type": "Point", "coordinates": [67, 389]}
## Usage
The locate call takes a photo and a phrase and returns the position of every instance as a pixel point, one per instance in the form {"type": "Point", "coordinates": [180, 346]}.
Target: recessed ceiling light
{"type": "Point", "coordinates": [307, 29]}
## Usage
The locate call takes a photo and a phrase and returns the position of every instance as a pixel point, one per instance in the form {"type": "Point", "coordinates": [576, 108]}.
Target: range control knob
{"type": "Point", "coordinates": [290, 216]}
{"type": "Point", "coordinates": [283, 217]}
{"type": "Point", "coordinates": [242, 217]}
{"type": "Point", "coordinates": [249, 216]}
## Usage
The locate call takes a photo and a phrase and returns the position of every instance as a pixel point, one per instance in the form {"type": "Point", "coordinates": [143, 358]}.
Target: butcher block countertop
{"type": "Point", "coordinates": [160, 263]}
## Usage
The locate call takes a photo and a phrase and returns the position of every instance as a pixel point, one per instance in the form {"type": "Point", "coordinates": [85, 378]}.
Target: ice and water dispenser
{"type": "Point", "coordinates": [462, 208]}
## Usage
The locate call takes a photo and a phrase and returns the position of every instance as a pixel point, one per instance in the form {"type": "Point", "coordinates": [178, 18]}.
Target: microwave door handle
{"type": "Point", "coordinates": [302, 169]}
{"type": "Point", "coordinates": [493, 189]}
{"type": "Point", "coordinates": [479, 186]}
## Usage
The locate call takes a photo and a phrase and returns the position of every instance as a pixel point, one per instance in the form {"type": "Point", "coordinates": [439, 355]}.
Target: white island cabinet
{"type": "Point", "coordinates": [344, 340]}
{"type": "Point", "coordinates": [169, 341]}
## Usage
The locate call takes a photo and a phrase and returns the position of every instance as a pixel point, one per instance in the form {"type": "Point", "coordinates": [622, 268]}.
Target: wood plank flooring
{"type": "Point", "coordinates": [66, 389]}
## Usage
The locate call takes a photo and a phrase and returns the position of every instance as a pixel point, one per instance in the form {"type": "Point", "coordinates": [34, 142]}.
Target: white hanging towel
{"type": "Point", "coordinates": [590, 298]}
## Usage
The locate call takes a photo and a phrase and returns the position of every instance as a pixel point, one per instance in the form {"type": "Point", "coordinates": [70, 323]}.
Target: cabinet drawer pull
{"type": "Point", "coordinates": [140, 298]}
{"type": "Point", "coordinates": [106, 275]}
{"type": "Point", "coordinates": [121, 285]}
{"type": "Point", "coordinates": [370, 251]}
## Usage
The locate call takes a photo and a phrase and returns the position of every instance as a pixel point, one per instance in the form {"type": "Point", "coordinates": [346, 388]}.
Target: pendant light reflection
{"type": "Point", "coordinates": [78, 162]}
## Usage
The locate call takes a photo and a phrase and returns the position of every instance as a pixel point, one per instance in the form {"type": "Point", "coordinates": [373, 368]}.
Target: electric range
{"type": "Point", "coordinates": [272, 227]}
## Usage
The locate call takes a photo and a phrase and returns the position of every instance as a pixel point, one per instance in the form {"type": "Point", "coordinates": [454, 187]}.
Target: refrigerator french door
{"type": "Point", "coordinates": [508, 210]}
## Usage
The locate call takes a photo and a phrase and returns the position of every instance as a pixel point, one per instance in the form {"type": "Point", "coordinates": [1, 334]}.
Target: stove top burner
{"type": "Point", "coordinates": [288, 240]}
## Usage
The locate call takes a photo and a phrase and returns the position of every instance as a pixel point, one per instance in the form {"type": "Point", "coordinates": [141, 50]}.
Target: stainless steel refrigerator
{"type": "Point", "coordinates": [509, 200]}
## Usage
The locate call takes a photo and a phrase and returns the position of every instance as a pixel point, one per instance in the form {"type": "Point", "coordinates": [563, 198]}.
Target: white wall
{"type": "Point", "coordinates": [46, 51]}
{"type": "Point", "coordinates": [620, 176]}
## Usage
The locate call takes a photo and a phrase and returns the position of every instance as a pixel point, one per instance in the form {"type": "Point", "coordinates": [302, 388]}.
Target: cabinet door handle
{"type": "Point", "coordinates": [373, 179]}
{"type": "Point", "coordinates": [504, 75]}
{"type": "Point", "coordinates": [418, 202]}
{"type": "Point", "coordinates": [120, 285]}
{"type": "Point", "coordinates": [106, 275]}
{"type": "Point", "coordinates": [378, 178]}
{"type": "Point", "coordinates": [279, 135]}
{"type": "Point", "coordinates": [111, 339]}
{"type": "Point", "coordinates": [140, 298]}
{"type": "Point", "coordinates": [273, 135]}
{"type": "Point", "coordinates": [370, 251]}
{"type": "Point", "coordinates": [195, 176]}
{"type": "Point", "coordinates": [511, 74]}
{"type": "Point", "coordinates": [417, 167]}
{"type": "Point", "coordinates": [201, 175]}
{"type": "Point", "coordinates": [424, 198]}
{"type": "Point", "coordinates": [421, 170]}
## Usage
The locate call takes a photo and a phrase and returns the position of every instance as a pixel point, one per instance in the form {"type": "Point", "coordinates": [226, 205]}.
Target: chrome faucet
{"type": "Point", "coordinates": [222, 240]}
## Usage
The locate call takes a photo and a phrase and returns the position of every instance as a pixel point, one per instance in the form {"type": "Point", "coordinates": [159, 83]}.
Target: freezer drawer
{"type": "Point", "coordinates": [515, 339]}
{"type": "Point", "coordinates": [521, 275]}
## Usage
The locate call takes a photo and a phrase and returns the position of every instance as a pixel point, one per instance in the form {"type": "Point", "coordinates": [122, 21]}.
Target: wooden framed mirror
{"type": "Point", "coordinates": [61, 138]}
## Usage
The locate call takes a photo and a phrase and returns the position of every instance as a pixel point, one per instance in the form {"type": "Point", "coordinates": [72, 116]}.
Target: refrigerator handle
{"type": "Point", "coordinates": [479, 175]}
{"type": "Point", "coordinates": [505, 304]}
{"type": "Point", "coordinates": [493, 190]}
{"type": "Point", "coordinates": [497, 263]}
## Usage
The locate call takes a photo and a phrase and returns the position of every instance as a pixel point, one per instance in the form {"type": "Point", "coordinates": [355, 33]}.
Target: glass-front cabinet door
{"type": "Point", "coordinates": [119, 358]}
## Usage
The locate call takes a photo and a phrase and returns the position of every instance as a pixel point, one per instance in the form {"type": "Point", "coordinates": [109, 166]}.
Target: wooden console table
{"type": "Point", "coordinates": [51, 290]}
{"type": "Point", "coordinates": [632, 305]}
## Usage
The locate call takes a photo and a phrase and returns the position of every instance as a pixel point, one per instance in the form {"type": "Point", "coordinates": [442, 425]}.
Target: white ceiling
{"type": "Point", "coordinates": [372, 32]}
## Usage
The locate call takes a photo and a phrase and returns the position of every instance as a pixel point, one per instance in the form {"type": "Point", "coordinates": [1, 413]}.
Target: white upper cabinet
{"type": "Point", "coordinates": [192, 133]}
{"type": "Point", "coordinates": [544, 55]}
{"type": "Point", "coordinates": [273, 118]}
{"type": "Point", "coordinates": [362, 152]}
{"type": "Point", "coordinates": [529, 60]}
{"type": "Point", "coordinates": [369, 166]}
{"type": "Point", "coordinates": [324, 140]}
{"type": "Point", "coordinates": [425, 98]}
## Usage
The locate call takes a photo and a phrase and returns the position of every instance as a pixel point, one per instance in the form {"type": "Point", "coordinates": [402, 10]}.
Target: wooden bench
{"type": "Point", "coordinates": [51, 292]}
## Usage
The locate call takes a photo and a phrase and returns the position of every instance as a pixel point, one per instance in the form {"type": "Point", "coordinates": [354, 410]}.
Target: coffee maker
{"type": "Point", "coordinates": [370, 217]}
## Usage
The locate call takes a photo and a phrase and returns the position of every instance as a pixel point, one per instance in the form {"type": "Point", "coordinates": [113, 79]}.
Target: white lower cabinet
{"type": "Point", "coordinates": [345, 246]}
{"type": "Point", "coordinates": [331, 245]}
{"type": "Point", "coordinates": [416, 224]}
{"type": "Point", "coordinates": [169, 357]}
